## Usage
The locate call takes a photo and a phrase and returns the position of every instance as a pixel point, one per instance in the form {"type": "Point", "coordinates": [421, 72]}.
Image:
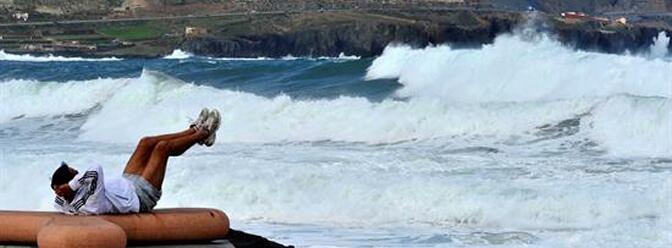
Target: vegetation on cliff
{"type": "Point", "coordinates": [306, 28]}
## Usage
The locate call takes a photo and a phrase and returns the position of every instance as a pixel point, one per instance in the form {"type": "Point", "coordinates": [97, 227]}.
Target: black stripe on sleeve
{"type": "Point", "coordinates": [59, 201]}
{"type": "Point", "coordinates": [90, 178]}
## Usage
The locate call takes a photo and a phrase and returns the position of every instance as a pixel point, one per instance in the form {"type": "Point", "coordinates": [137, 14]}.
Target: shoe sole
{"type": "Point", "coordinates": [213, 131]}
{"type": "Point", "coordinates": [198, 123]}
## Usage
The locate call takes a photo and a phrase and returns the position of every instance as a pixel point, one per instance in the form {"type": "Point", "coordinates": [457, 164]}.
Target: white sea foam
{"type": "Point", "coordinates": [515, 68]}
{"type": "Point", "coordinates": [342, 56]}
{"type": "Point", "coordinates": [520, 68]}
{"type": "Point", "coordinates": [48, 58]}
{"type": "Point", "coordinates": [156, 103]}
{"type": "Point", "coordinates": [659, 49]}
{"type": "Point", "coordinates": [27, 98]}
{"type": "Point", "coordinates": [632, 126]}
{"type": "Point", "coordinates": [178, 54]}
{"type": "Point", "coordinates": [386, 186]}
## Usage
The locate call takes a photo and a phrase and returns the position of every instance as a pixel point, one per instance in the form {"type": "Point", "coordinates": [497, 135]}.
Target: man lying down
{"type": "Point", "coordinates": [139, 189]}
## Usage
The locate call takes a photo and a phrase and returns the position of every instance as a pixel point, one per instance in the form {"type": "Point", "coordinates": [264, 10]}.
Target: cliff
{"type": "Point", "coordinates": [367, 34]}
{"type": "Point", "coordinates": [634, 39]}
{"type": "Point", "coordinates": [363, 34]}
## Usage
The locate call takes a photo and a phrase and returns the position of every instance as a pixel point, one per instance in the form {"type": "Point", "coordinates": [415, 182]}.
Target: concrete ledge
{"type": "Point", "coordinates": [165, 226]}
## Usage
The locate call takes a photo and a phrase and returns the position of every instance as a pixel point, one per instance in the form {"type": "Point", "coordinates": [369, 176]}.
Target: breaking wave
{"type": "Point", "coordinates": [659, 49]}
{"type": "Point", "coordinates": [49, 58]}
{"type": "Point", "coordinates": [515, 68]}
{"type": "Point", "coordinates": [179, 54]}
{"type": "Point", "coordinates": [155, 103]}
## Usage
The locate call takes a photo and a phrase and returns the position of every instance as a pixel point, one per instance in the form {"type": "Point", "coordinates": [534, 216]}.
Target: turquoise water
{"type": "Point", "coordinates": [295, 77]}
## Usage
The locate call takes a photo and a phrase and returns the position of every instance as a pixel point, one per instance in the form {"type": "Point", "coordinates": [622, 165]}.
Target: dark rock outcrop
{"type": "Point", "coordinates": [245, 240]}
{"type": "Point", "coordinates": [362, 38]}
{"type": "Point", "coordinates": [634, 39]}
{"type": "Point", "coordinates": [368, 38]}
{"type": "Point", "coordinates": [357, 39]}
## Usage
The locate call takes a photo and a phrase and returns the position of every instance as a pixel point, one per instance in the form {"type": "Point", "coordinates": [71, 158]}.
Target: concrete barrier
{"type": "Point", "coordinates": [166, 226]}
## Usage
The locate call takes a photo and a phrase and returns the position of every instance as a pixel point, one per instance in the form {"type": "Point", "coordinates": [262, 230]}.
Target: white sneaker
{"type": "Point", "coordinates": [212, 125]}
{"type": "Point", "coordinates": [200, 121]}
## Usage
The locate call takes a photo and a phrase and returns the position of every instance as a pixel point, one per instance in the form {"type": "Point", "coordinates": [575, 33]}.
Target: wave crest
{"type": "Point", "coordinates": [49, 58]}
{"type": "Point", "coordinates": [157, 103]}
{"type": "Point", "coordinates": [518, 69]}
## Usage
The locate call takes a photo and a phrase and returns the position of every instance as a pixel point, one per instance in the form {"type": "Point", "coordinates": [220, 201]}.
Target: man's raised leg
{"type": "Point", "coordinates": [136, 164]}
{"type": "Point", "coordinates": [143, 151]}
{"type": "Point", "coordinates": [155, 170]}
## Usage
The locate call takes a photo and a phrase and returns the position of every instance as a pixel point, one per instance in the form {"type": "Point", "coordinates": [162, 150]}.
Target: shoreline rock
{"type": "Point", "coordinates": [365, 38]}
{"type": "Point", "coordinates": [367, 33]}
{"type": "Point", "coordinates": [633, 39]}
{"type": "Point", "coordinates": [368, 39]}
{"type": "Point", "coordinates": [241, 239]}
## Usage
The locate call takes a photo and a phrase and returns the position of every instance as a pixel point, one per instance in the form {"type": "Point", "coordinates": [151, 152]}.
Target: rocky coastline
{"type": "Point", "coordinates": [364, 34]}
{"type": "Point", "coordinates": [369, 38]}
{"type": "Point", "coordinates": [355, 33]}
{"type": "Point", "coordinates": [634, 39]}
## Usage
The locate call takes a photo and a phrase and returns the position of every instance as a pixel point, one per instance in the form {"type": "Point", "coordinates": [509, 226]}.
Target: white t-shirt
{"type": "Point", "coordinates": [95, 195]}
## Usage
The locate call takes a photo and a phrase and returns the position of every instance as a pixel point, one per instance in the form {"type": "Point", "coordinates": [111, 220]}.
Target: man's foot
{"type": "Point", "coordinates": [200, 121]}
{"type": "Point", "coordinates": [212, 125]}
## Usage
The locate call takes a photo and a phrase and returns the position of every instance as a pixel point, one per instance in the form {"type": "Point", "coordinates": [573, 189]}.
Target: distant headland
{"type": "Point", "coordinates": [268, 28]}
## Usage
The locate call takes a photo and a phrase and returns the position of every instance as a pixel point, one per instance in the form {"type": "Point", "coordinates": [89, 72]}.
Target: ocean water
{"type": "Point", "coordinates": [521, 143]}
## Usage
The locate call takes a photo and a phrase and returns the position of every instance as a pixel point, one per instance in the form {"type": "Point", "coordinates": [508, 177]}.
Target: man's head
{"type": "Point", "coordinates": [61, 178]}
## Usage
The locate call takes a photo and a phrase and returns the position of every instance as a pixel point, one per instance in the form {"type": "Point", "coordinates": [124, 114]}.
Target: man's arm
{"type": "Point", "coordinates": [88, 183]}
{"type": "Point", "coordinates": [81, 178]}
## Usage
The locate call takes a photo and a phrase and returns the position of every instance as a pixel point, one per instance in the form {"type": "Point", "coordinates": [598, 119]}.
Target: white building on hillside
{"type": "Point", "coordinates": [21, 16]}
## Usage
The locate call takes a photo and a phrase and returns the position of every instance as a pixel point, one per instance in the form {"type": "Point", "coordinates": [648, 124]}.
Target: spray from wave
{"type": "Point", "coordinates": [156, 103]}
{"type": "Point", "coordinates": [659, 49]}
{"type": "Point", "coordinates": [178, 54]}
{"type": "Point", "coordinates": [516, 69]}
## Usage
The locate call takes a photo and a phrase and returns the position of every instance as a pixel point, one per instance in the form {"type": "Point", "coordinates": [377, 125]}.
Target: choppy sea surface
{"type": "Point", "coordinates": [519, 143]}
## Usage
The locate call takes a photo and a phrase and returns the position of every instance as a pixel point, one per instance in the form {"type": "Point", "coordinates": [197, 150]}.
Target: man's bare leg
{"type": "Point", "coordinates": [155, 170]}
{"type": "Point", "coordinates": [143, 151]}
